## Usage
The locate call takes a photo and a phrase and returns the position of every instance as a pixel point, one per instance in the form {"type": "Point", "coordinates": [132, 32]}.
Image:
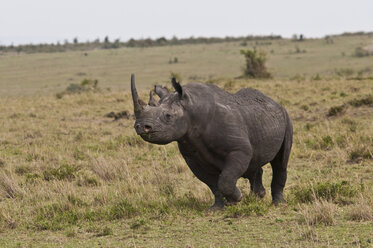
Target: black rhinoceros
{"type": "Point", "coordinates": [221, 136]}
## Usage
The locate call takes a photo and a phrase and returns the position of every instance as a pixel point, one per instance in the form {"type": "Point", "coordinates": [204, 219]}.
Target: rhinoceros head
{"type": "Point", "coordinates": [163, 121]}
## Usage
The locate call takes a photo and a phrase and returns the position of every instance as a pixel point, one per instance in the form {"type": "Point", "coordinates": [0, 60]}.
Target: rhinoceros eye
{"type": "Point", "coordinates": [168, 116]}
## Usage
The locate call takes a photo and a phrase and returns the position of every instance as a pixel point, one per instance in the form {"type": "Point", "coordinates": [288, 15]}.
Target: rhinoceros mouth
{"type": "Point", "coordinates": [148, 135]}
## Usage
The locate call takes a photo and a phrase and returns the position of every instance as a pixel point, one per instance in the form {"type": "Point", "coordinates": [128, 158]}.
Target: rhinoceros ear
{"type": "Point", "coordinates": [161, 91]}
{"type": "Point", "coordinates": [177, 86]}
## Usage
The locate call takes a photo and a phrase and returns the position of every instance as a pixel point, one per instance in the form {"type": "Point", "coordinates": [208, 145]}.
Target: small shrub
{"type": "Point", "coordinates": [336, 110]}
{"type": "Point", "coordinates": [85, 86]}
{"type": "Point", "coordinates": [255, 64]}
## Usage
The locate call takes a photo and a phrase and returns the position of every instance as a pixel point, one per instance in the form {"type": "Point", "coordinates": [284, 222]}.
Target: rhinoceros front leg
{"type": "Point", "coordinates": [235, 166]}
{"type": "Point", "coordinates": [210, 179]}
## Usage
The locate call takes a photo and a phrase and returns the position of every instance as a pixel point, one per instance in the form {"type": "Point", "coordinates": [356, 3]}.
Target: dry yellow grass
{"type": "Point", "coordinates": [83, 180]}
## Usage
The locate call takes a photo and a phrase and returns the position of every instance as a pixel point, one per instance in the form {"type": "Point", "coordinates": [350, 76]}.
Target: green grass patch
{"type": "Point", "coordinates": [336, 110]}
{"type": "Point", "coordinates": [368, 100]}
{"type": "Point", "coordinates": [64, 172]}
{"type": "Point", "coordinates": [55, 217]}
{"type": "Point", "coordinates": [338, 192]}
{"type": "Point", "coordinates": [122, 209]}
{"type": "Point", "coordinates": [249, 205]}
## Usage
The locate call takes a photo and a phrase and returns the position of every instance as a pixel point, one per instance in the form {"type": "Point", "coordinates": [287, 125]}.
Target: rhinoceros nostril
{"type": "Point", "coordinates": [147, 128]}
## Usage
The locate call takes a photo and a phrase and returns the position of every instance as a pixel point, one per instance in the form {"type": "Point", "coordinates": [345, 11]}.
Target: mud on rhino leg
{"type": "Point", "coordinates": [235, 166]}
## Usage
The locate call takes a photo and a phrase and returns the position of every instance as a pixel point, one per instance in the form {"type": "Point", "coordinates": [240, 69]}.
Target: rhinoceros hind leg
{"type": "Point", "coordinates": [279, 169]}
{"type": "Point", "coordinates": [256, 184]}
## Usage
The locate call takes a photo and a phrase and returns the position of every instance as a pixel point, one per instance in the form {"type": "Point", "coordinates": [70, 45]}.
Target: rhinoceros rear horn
{"type": "Point", "coordinates": [177, 86]}
{"type": "Point", "coordinates": [137, 103]}
{"type": "Point", "coordinates": [152, 101]}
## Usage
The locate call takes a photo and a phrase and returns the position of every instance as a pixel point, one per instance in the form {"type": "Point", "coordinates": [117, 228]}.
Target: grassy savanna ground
{"type": "Point", "coordinates": [71, 177]}
{"type": "Point", "coordinates": [30, 74]}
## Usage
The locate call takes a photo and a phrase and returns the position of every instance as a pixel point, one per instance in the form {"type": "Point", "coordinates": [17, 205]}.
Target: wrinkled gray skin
{"type": "Point", "coordinates": [221, 136]}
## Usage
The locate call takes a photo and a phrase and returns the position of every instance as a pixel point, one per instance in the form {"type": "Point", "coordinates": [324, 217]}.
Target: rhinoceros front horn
{"type": "Point", "coordinates": [137, 103]}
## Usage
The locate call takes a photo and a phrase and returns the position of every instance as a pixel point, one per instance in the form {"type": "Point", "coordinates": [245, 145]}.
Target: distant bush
{"type": "Point", "coordinates": [316, 77]}
{"type": "Point", "coordinates": [255, 64]}
{"type": "Point", "coordinates": [298, 50]}
{"type": "Point", "coordinates": [85, 86]}
{"type": "Point", "coordinates": [243, 43]}
{"type": "Point", "coordinates": [361, 52]}
{"type": "Point", "coordinates": [106, 43]}
{"type": "Point", "coordinates": [344, 72]}
{"type": "Point", "coordinates": [298, 77]}
{"type": "Point", "coordinates": [173, 61]}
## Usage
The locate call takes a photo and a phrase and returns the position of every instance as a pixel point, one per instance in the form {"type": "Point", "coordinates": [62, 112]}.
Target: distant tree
{"type": "Point", "coordinates": [75, 41]}
{"type": "Point", "coordinates": [106, 40]}
{"type": "Point", "coordinates": [255, 64]}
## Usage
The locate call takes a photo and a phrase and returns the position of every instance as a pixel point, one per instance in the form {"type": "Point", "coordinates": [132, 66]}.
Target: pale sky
{"type": "Point", "coordinates": [46, 21]}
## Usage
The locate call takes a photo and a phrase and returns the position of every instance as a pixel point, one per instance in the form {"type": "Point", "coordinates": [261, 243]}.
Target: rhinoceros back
{"type": "Point", "coordinates": [266, 121]}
